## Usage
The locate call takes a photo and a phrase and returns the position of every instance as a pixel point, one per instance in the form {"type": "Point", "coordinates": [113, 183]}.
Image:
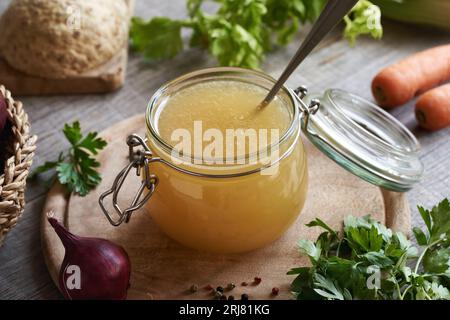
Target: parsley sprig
{"type": "Point", "coordinates": [76, 169]}
{"type": "Point", "coordinates": [240, 32]}
{"type": "Point", "coordinates": [346, 265]}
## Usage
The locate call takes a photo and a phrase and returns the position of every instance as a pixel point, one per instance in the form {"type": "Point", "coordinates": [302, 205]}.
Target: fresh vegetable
{"type": "Point", "coordinates": [76, 169]}
{"type": "Point", "coordinates": [92, 268]}
{"type": "Point", "coordinates": [433, 108]}
{"type": "Point", "coordinates": [369, 261]}
{"type": "Point", "coordinates": [3, 113]}
{"type": "Point", "coordinates": [400, 82]}
{"type": "Point", "coordinates": [428, 12]}
{"type": "Point", "coordinates": [239, 33]}
{"type": "Point", "coordinates": [193, 288]}
{"type": "Point", "coordinates": [208, 287]}
{"type": "Point", "coordinates": [231, 286]}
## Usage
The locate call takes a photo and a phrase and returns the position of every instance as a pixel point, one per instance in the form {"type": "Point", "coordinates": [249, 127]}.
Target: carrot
{"type": "Point", "coordinates": [402, 81]}
{"type": "Point", "coordinates": [433, 108]}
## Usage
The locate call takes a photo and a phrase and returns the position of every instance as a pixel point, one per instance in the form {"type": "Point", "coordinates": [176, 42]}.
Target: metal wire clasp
{"type": "Point", "coordinates": [140, 159]}
{"type": "Point", "coordinates": [307, 110]}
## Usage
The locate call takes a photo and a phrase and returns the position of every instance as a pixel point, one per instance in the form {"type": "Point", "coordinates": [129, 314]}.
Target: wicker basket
{"type": "Point", "coordinates": [16, 155]}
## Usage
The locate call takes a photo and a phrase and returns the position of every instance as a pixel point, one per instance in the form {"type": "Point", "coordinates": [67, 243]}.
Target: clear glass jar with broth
{"type": "Point", "coordinates": [223, 176]}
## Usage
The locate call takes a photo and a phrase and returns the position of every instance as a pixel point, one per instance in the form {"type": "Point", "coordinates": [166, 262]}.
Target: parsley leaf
{"type": "Point", "coordinates": [369, 261]}
{"type": "Point", "coordinates": [311, 249]}
{"type": "Point", "coordinates": [160, 38]}
{"type": "Point", "coordinates": [330, 289]}
{"type": "Point", "coordinates": [440, 224]}
{"type": "Point", "coordinates": [76, 169]}
{"type": "Point", "coordinates": [239, 33]}
{"type": "Point", "coordinates": [436, 239]}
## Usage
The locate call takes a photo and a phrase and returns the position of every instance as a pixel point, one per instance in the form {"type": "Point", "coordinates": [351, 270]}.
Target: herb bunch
{"type": "Point", "coordinates": [369, 261]}
{"type": "Point", "coordinates": [240, 32]}
{"type": "Point", "coordinates": [76, 169]}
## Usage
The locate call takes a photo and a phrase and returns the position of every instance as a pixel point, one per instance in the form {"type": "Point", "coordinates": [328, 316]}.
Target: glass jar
{"type": "Point", "coordinates": [239, 206]}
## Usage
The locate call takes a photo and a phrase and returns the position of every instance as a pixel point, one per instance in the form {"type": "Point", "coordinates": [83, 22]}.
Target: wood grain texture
{"type": "Point", "coordinates": [106, 78]}
{"type": "Point", "coordinates": [22, 269]}
{"type": "Point", "coordinates": [163, 269]}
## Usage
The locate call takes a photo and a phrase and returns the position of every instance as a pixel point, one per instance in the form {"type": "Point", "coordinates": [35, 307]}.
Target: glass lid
{"type": "Point", "coordinates": [364, 139]}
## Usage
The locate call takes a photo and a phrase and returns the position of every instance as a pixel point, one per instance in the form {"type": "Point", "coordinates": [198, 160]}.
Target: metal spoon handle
{"type": "Point", "coordinates": [332, 14]}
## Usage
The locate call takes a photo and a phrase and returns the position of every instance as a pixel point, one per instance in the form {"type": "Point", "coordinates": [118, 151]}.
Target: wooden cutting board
{"type": "Point", "coordinates": [163, 269]}
{"type": "Point", "coordinates": [105, 78]}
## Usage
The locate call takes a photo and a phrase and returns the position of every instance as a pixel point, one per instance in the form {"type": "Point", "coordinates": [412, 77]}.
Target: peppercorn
{"type": "Point", "coordinates": [275, 291]}
{"type": "Point", "coordinates": [257, 280]}
{"type": "Point", "coordinates": [208, 287]}
{"type": "Point", "coordinates": [220, 289]}
{"type": "Point", "coordinates": [230, 297]}
{"type": "Point", "coordinates": [244, 296]}
{"type": "Point", "coordinates": [193, 288]}
{"type": "Point", "coordinates": [244, 284]}
{"type": "Point", "coordinates": [223, 297]}
{"type": "Point", "coordinates": [231, 286]}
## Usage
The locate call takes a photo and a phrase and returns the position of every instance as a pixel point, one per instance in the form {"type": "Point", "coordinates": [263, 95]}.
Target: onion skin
{"type": "Point", "coordinates": [3, 113]}
{"type": "Point", "coordinates": [104, 267]}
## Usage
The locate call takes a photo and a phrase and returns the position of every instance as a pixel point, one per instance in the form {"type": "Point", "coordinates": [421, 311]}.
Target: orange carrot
{"type": "Point", "coordinates": [433, 108]}
{"type": "Point", "coordinates": [402, 81]}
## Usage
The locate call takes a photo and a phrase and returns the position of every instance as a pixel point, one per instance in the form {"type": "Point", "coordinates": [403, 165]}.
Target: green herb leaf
{"type": "Point", "coordinates": [437, 261]}
{"type": "Point", "coordinates": [440, 215]}
{"type": "Point", "coordinates": [377, 258]}
{"type": "Point", "coordinates": [158, 38]}
{"type": "Point", "coordinates": [77, 168]}
{"type": "Point", "coordinates": [330, 289]}
{"type": "Point", "coordinates": [92, 143]}
{"type": "Point", "coordinates": [425, 214]}
{"type": "Point", "coordinates": [49, 165]}
{"type": "Point", "coordinates": [302, 286]}
{"type": "Point", "coordinates": [73, 132]}
{"type": "Point", "coordinates": [319, 223]}
{"type": "Point", "coordinates": [420, 236]}
{"type": "Point", "coordinates": [309, 248]}
{"type": "Point", "coordinates": [369, 261]}
{"type": "Point", "coordinates": [364, 240]}
{"type": "Point", "coordinates": [239, 33]}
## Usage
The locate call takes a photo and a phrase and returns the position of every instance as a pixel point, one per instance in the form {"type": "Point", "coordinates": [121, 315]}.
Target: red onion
{"type": "Point", "coordinates": [3, 113]}
{"type": "Point", "coordinates": [92, 268]}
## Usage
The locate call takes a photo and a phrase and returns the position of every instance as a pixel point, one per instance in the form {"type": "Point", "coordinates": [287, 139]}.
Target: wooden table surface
{"type": "Point", "coordinates": [23, 274]}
